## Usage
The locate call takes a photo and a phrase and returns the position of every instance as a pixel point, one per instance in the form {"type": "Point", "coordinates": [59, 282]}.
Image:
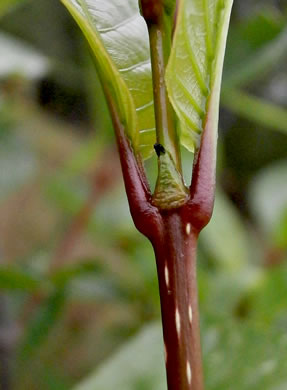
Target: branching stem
{"type": "Point", "coordinates": [173, 231]}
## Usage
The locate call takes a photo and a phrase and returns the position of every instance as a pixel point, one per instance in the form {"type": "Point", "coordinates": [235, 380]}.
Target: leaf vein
{"type": "Point", "coordinates": [191, 100]}
{"type": "Point", "coordinates": [119, 25]}
{"type": "Point", "coordinates": [147, 130]}
{"type": "Point", "coordinates": [145, 106]}
{"type": "Point", "coordinates": [196, 69]}
{"type": "Point", "coordinates": [135, 66]}
{"type": "Point", "coordinates": [208, 38]}
{"type": "Point", "coordinates": [190, 123]}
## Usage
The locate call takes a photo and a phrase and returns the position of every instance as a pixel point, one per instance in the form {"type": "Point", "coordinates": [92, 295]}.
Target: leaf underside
{"type": "Point", "coordinates": [194, 71]}
{"type": "Point", "coordinates": [118, 37]}
{"type": "Point", "coordinates": [119, 41]}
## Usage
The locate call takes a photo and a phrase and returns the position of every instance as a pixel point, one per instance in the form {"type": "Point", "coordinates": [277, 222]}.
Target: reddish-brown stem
{"type": "Point", "coordinates": [145, 216]}
{"type": "Point", "coordinates": [172, 233]}
{"type": "Point", "coordinates": [202, 188]}
{"type": "Point", "coordinates": [175, 254]}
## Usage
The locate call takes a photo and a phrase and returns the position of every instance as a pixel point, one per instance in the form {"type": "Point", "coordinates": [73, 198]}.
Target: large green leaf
{"type": "Point", "coordinates": [118, 37]}
{"type": "Point", "coordinates": [194, 71]}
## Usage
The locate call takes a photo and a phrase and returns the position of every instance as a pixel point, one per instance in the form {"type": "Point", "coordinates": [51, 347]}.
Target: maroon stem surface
{"type": "Point", "coordinates": [176, 264]}
{"type": "Point", "coordinates": [174, 237]}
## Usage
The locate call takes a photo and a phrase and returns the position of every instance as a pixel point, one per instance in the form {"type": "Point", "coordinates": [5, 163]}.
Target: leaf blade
{"type": "Point", "coordinates": [118, 38]}
{"type": "Point", "coordinates": [256, 109]}
{"type": "Point", "coordinates": [194, 71]}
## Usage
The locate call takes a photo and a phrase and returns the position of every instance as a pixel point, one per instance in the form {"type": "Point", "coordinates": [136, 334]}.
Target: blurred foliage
{"type": "Point", "coordinates": [79, 306]}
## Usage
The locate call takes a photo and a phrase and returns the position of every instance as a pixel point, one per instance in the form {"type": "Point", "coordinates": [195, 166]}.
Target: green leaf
{"type": "Point", "coordinates": [194, 70]}
{"type": "Point", "coordinates": [270, 293]}
{"type": "Point", "coordinates": [14, 279]}
{"type": "Point", "coordinates": [41, 324]}
{"type": "Point", "coordinates": [118, 38]}
{"type": "Point", "coordinates": [263, 26]}
{"type": "Point", "coordinates": [66, 274]}
{"type": "Point", "coordinates": [255, 356]}
{"type": "Point", "coordinates": [258, 64]}
{"type": "Point", "coordinates": [247, 41]}
{"type": "Point", "coordinates": [256, 109]}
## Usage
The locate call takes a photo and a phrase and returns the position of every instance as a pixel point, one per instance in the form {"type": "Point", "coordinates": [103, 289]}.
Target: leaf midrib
{"type": "Point", "coordinates": [199, 76]}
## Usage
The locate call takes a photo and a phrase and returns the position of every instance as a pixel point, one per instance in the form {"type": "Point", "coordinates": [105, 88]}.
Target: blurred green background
{"type": "Point", "coordinates": [79, 306]}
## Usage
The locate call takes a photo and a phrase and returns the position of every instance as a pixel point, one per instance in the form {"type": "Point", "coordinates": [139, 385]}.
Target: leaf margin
{"type": "Point", "coordinates": [124, 101]}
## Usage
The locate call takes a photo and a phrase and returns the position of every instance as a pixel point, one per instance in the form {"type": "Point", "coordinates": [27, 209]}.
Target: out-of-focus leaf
{"type": "Point", "coordinates": [111, 209]}
{"type": "Point", "coordinates": [268, 198]}
{"type": "Point", "coordinates": [138, 365]}
{"type": "Point", "coordinates": [48, 378]}
{"type": "Point", "coordinates": [255, 109]}
{"type": "Point", "coordinates": [222, 291]}
{"type": "Point", "coordinates": [61, 277]}
{"type": "Point", "coordinates": [256, 66]}
{"type": "Point", "coordinates": [92, 280]}
{"type": "Point", "coordinates": [194, 70]}
{"type": "Point", "coordinates": [226, 242]}
{"type": "Point", "coordinates": [106, 215]}
{"type": "Point", "coordinates": [17, 161]}
{"type": "Point", "coordinates": [225, 237]}
{"type": "Point", "coordinates": [280, 230]}
{"type": "Point", "coordinates": [18, 58]}
{"type": "Point", "coordinates": [90, 288]}
{"type": "Point", "coordinates": [257, 356]}
{"type": "Point", "coordinates": [90, 153]}
{"type": "Point", "coordinates": [268, 203]}
{"type": "Point", "coordinates": [267, 302]}
{"type": "Point", "coordinates": [262, 27]}
{"type": "Point", "coordinates": [13, 279]}
{"type": "Point", "coordinates": [40, 325]}
{"type": "Point", "coordinates": [118, 38]}
{"type": "Point", "coordinates": [86, 280]}
{"type": "Point", "coordinates": [247, 38]}
{"type": "Point", "coordinates": [68, 194]}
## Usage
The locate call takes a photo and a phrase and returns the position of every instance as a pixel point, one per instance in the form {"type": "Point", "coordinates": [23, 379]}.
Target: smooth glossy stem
{"type": "Point", "coordinates": [176, 265]}
{"type": "Point", "coordinates": [160, 46]}
{"type": "Point", "coordinates": [165, 126]}
{"type": "Point", "coordinates": [202, 188]}
{"type": "Point", "coordinates": [145, 216]}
